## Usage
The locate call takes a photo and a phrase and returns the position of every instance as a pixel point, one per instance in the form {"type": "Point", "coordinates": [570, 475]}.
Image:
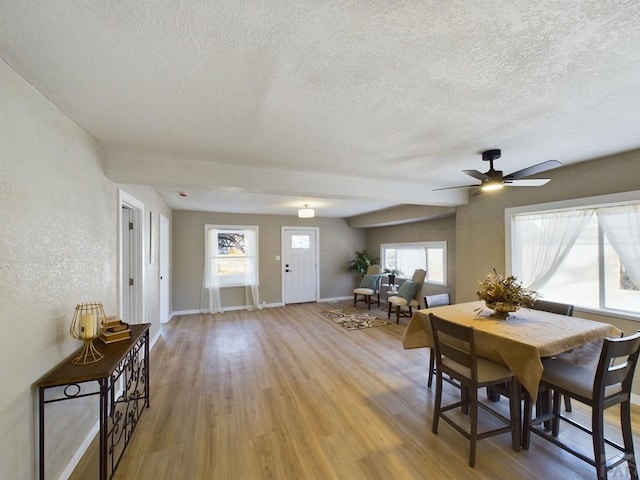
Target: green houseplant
{"type": "Point", "coordinates": [392, 272]}
{"type": "Point", "coordinates": [361, 262]}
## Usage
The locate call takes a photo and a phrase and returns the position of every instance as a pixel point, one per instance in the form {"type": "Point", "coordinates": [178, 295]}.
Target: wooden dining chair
{"type": "Point", "coordinates": [553, 307]}
{"type": "Point", "coordinates": [431, 301]}
{"type": "Point", "coordinates": [560, 309]}
{"type": "Point", "coordinates": [456, 357]}
{"type": "Point", "coordinates": [606, 385]}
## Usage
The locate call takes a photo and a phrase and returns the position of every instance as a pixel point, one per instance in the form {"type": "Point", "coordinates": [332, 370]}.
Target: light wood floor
{"type": "Point", "coordinates": [285, 393]}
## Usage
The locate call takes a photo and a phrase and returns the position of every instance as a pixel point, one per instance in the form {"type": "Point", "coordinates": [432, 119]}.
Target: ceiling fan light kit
{"type": "Point", "coordinates": [495, 180]}
{"type": "Point", "coordinates": [490, 186]}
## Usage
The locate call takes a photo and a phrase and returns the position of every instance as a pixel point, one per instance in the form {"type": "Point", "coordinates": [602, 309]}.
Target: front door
{"type": "Point", "coordinates": [300, 265]}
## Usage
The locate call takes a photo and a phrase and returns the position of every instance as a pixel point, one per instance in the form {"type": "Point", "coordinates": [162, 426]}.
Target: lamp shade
{"type": "Point", "coordinates": [306, 212]}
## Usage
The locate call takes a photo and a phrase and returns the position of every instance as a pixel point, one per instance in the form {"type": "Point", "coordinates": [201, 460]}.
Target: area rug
{"type": "Point", "coordinates": [354, 319]}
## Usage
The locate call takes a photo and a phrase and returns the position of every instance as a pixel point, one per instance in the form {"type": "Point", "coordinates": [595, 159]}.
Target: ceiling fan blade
{"type": "Point", "coordinates": [476, 174]}
{"type": "Point", "coordinates": [533, 169]}
{"type": "Point", "coordinates": [529, 182]}
{"type": "Point", "coordinates": [450, 188]}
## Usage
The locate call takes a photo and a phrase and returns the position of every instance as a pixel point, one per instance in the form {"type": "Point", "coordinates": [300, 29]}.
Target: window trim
{"type": "Point", "coordinates": [238, 228]}
{"type": "Point", "coordinates": [607, 200]}
{"type": "Point", "coordinates": [439, 244]}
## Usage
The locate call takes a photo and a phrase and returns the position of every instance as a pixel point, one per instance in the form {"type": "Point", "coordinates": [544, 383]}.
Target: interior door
{"type": "Point", "coordinates": [300, 265]}
{"type": "Point", "coordinates": [164, 269]}
{"type": "Point", "coordinates": [127, 274]}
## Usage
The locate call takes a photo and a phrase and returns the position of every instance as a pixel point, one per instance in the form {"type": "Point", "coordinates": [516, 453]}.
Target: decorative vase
{"type": "Point", "coordinates": [392, 279]}
{"type": "Point", "coordinates": [501, 309]}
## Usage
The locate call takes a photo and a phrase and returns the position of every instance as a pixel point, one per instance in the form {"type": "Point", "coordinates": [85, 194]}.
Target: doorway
{"type": "Point", "coordinates": [164, 267]}
{"type": "Point", "coordinates": [300, 264]}
{"type": "Point", "coordinates": [131, 259]}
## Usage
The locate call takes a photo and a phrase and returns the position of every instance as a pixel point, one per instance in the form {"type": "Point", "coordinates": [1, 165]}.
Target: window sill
{"type": "Point", "coordinates": [610, 313]}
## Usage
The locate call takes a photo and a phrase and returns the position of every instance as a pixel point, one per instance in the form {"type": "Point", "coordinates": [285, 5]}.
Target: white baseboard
{"type": "Point", "coordinates": [224, 309]}
{"type": "Point", "coordinates": [335, 299]}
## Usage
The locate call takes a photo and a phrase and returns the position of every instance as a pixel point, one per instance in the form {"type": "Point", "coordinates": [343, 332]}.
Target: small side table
{"type": "Point", "coordinates": [127, 360]}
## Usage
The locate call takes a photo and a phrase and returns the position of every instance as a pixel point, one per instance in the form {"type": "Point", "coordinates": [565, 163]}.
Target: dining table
{"type": "Point", "coordinates": [520, 341]}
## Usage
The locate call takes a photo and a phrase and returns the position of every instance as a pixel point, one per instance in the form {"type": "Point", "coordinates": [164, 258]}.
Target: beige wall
{"type": "Point", "coordinates": [480, 229]}
{"type": "Point", "coordinates": [429, 231]}
{"type": "Point", "coordinates": [338, 242]}
{"type": "Point", "coordinates": [58, 247]}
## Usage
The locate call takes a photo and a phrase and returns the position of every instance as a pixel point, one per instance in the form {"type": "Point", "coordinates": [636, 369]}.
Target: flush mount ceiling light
{"type": "Point", "coordinates": [306, 212]}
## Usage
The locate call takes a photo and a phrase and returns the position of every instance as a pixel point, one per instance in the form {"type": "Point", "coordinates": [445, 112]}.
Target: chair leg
{"type": "Point", "coordinates": [543, 406]}
{"type": "Point", "coordinates": [600, 460]}
{"type": "Point", "coordinates": [526, 423]}
{"type": "Point", "coordinates": [398, 314]}
{"type": "Point", "coordinates": [555, 422]}
{"type": "Point", "coordinates": [368, 302]}
{"type": "Point", "coordinates": [431, 367]}
{"type": "Point", "coordinates": [464, 399]}
{"type": "Point", "coordinates": [388, 309]}
{"type": "Point", "coordinates": [567, 403]}
{"type": "Point", "coordinates": [514, 414]}
{"type": "Point", "coordinates": [437, 403]}
{"type": "Point", "coordinates": [627, 438]}
{"type": "Point", "coordinates": [473, 434]}
{"type": "Point", "coordinates": [355, 299]}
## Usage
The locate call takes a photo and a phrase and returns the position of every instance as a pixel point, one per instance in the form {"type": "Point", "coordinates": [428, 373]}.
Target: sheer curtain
{"type": "Point", "coordinates": [621, 225]}
{"type": "Point", "coordinates": [222, 269]}
{"type": "Point", "coordinates": [251, 281]}
{"type": "Point", "coordinates": [542, 241]}
{"type": "Point", "coordinates": [210, 296]}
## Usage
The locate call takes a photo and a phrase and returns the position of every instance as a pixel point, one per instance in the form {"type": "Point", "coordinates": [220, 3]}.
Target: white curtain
{"type": "Point", "coordinates": [621, 225]}
{"type": "Point", "coordinates": [542, 241]}
{"type": "Point", "coordinates": [251, 291]}
{"type": "Point", "coordinates": [210, 296]}
{"type": "Point", "coordinates": [213, 280]}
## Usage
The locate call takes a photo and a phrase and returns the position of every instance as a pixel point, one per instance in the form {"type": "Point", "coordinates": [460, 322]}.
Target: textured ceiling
{"type": "Point", "coordinates": [350, 106]}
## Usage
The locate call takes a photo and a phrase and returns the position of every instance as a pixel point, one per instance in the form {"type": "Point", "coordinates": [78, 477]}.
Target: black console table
{"type": "Point", "coordinates": [120, 378]}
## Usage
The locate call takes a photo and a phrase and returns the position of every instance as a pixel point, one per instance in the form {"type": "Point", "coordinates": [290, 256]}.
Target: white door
{"type": "Point", "coordinates": [132, 259]}
{"type": "Point", "coordinates": [127, 264]}
{"type": "Point", "coordinates": [164, 269]}
{"type": "Point", "coordinates": [300, 265]}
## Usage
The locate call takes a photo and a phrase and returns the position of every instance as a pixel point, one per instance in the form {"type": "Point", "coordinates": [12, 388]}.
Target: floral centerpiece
{"type": "Point", "coordinates": [505, 294]}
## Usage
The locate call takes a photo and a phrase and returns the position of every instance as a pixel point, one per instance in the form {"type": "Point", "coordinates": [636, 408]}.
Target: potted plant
{"type": "Point", "coordinates": [361, 262]}
{"type": "Point", "coordinates": [392, 272]}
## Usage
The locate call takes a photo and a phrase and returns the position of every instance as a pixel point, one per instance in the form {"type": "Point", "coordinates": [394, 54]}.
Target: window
{"type": "Point", "coordinates": [231, 256]}
{"type": "Point", "coordinates": [407, 257]}
{"type": "Point", "coordinates": [587, 255]}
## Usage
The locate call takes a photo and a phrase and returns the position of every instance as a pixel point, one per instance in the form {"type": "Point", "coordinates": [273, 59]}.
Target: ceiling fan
{"type": "Point", "coordinates": [494, 180]}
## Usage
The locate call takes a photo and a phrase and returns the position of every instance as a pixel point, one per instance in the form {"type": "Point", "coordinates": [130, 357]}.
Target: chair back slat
{"type": "Point", "coordinates": [438, 300]}
{"type": "Point", "coordinates": [553, 307]}
{"type": "Point", "coordinates": [455, 342]}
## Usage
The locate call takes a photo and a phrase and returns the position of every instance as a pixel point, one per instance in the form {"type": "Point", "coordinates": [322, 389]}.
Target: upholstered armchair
{"type": "Point", "coordinates": [369, 286]}
{"type": "Point", "coordinates": [408, 296]}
